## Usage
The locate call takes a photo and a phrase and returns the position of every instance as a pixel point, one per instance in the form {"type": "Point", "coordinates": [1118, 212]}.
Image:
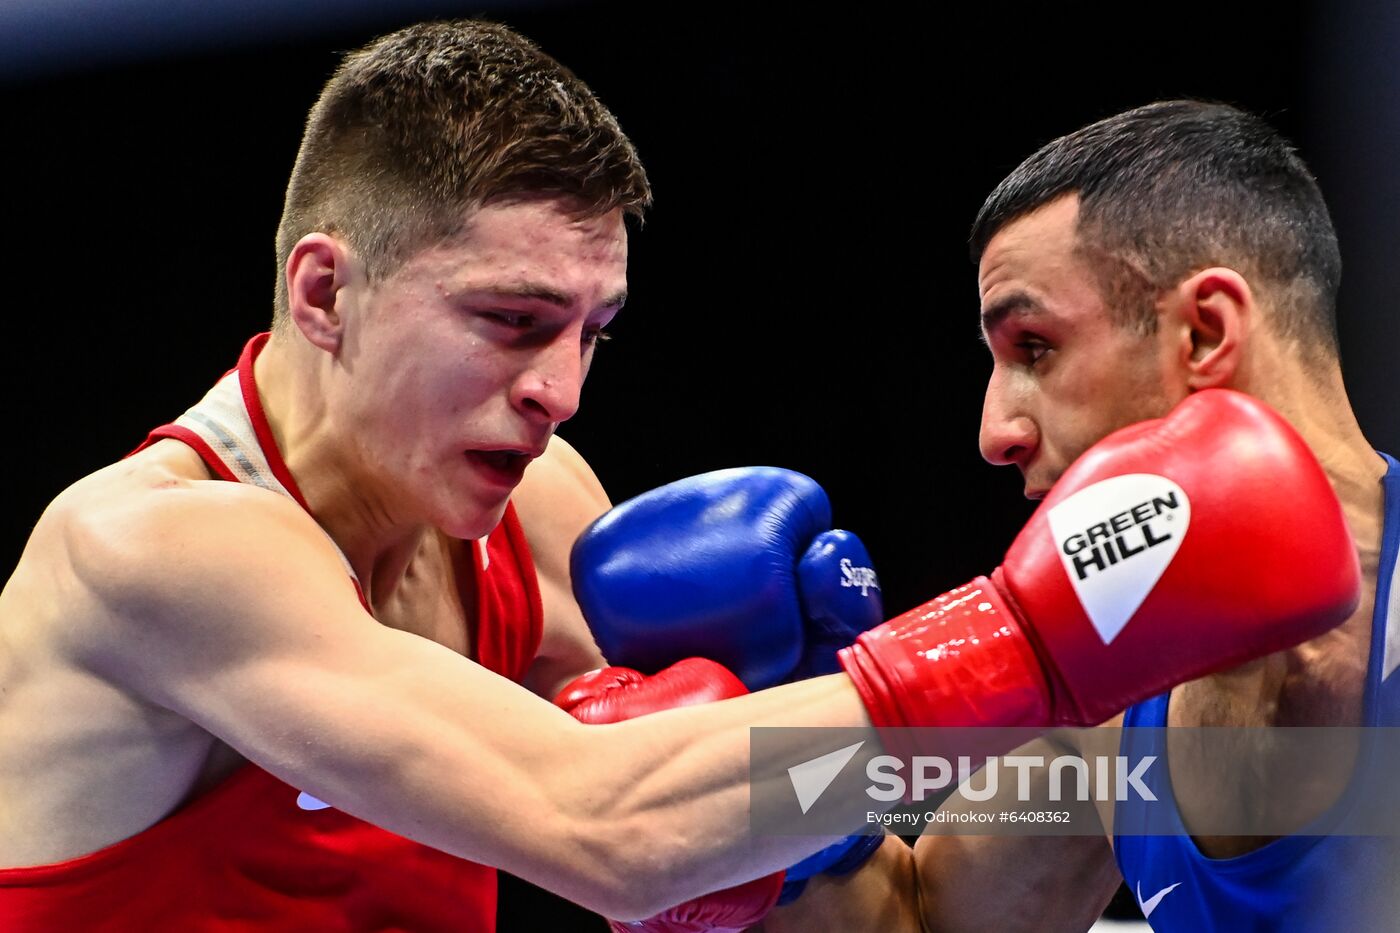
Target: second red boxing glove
{"type": "Point", "coordinates": [614, 694]}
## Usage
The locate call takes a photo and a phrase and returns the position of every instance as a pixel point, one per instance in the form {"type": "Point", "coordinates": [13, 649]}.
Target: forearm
{"type": "Point", "coordinates": [660, 804]}
{"type": "Point", "coordinates": [626, 819]}
{"type": "Point", "coordinates": [882, 896]}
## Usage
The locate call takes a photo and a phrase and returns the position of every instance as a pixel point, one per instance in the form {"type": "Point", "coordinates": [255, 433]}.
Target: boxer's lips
{"type": "Point", "coordinates": [504, 466]}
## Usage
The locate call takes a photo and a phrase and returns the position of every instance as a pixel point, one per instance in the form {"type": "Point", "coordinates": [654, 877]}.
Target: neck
{"type": "Point", "coordinates": [1316, 404]}
{"type": "Point", "coordinates": [293, 379]}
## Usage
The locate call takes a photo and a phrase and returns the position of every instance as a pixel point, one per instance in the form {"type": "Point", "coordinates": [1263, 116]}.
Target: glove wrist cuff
{"type": "Point", "coordinates": [840, 859]}
{"type": "Point", "coordinates": [960, 659]}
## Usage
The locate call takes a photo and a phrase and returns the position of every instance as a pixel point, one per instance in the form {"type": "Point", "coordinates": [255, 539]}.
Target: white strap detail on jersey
{"type": "Point", "coordinates": [221, 420]}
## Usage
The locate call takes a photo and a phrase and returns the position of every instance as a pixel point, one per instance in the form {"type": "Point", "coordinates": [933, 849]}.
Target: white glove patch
{"type": "Point", "coordinates": [1115, 539]}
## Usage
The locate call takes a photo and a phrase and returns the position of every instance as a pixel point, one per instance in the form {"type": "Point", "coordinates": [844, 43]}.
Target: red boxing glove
{"type": "Point", "coordinates": [729, 911]}
{"type": "Point", "coordinates": [613, 694]}
{"type": "Point", "coordinates": [1171, 549]}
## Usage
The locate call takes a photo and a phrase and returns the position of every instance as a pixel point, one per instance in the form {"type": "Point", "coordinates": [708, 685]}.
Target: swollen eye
{"type": "Point", "coordinates": [1034, 349]}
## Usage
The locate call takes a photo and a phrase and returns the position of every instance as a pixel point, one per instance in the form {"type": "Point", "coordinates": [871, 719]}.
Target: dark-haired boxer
{"type": "Point", "coordinates": [1171, 249]}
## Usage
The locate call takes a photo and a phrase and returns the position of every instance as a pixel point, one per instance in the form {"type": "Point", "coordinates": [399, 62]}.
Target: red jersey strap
{"type": "Point", "coordinates": [229, 430]}
{"type": "Point", "coordinates": [510, 616]}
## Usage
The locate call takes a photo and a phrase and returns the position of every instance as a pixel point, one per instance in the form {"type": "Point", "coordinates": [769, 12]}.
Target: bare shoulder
{"type": "Point", "coordinates": [138, 525]}
{"type": "Point", "coordinates": [150, 559]}
{"type": "Point", "coordinates": [140, 595]}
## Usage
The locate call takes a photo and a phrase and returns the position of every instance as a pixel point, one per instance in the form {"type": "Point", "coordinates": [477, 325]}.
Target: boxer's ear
{"type": "Point", "coordinates": [319, 269]}
{"type": "Point", "coordinates": [1211, 315]}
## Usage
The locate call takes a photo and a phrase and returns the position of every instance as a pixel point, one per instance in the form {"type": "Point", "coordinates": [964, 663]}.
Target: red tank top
{"type": "Point", "coordinates": [248, 855]}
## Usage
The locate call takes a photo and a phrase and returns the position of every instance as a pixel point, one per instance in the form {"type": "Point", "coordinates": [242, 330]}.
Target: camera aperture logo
{"type": "Point", "coordinates": [811, 778]}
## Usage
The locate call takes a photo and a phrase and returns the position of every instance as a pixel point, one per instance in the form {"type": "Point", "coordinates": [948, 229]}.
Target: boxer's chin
{"type": "Point", "coordinates": [474, 494]}
{"type": "Point", "coordinates": [470, 511]}
{"type": "Point", "coordinates": [473, 523]}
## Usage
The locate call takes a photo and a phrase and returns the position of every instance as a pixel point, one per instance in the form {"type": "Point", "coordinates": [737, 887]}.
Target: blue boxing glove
{"type": "Point", "coordinates": [840, 597]}
{"type": "Point", "coordinates": [739, 566]}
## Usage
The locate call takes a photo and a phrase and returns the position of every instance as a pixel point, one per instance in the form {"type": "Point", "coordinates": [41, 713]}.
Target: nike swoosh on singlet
{"type": "Point", "coordinates": [1151, 903]}
{"type": "Point", "coordinates": [308, 802]}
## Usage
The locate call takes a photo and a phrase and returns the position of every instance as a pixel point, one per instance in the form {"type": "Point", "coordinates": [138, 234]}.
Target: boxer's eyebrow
{"type": "Point", "coordinates": [1016, 304]}
{"type": "Point", "coordinates": [533, 292]}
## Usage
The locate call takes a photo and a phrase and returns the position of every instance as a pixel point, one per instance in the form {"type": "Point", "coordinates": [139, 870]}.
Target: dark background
{"type": "Point", "coordinates": [801, 293]}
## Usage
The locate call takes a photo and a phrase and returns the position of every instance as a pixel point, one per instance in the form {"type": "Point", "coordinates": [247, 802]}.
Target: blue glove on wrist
{"type": "Point", "coordinates": [841, 858]}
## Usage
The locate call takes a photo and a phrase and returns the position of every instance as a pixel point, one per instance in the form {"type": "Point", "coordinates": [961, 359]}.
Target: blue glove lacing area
{"type": "Point", "coordinates": [840, 859]}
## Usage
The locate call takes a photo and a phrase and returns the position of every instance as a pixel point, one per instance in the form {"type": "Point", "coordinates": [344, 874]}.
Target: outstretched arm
{"type": "Point", "coordinates": [228, 606]}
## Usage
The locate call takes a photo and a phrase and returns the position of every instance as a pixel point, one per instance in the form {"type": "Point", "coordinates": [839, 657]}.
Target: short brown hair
{"type": "Point", "coordinates": [423, 124]}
